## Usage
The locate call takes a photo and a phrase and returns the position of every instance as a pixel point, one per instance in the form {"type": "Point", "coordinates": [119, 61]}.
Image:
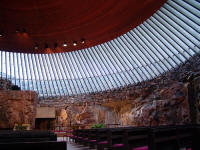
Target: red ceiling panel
{"type": "Point", "coordinates": [59, 21]}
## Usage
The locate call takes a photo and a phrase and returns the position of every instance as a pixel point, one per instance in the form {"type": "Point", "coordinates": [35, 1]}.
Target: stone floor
{"type": "Point", "coordinates": [73, 146]}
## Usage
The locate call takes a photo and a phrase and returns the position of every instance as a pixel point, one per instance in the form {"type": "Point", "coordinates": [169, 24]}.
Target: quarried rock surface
{"type": "Point", "coordinates": [160, 101]}
{"type": "Point", "coordinates": [17, 107]}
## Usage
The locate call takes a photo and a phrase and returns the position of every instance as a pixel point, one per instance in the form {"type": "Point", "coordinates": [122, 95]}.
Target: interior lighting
{"type": "Point", "coordinates": [36, 46]}
{"type": "Point", "coordinates": [17, 30]}
{"type": "Point", "coordinates": [74, 43]}
{"type": "Point", "coordinates": [82, 41]}
{"type": "Point", "coordinates": [65, 44]}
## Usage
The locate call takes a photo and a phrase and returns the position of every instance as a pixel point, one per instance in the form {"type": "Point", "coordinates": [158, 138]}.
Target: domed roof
{"type": "Point", "coordinates": [164, 41]}
{"type": "Point", "coordinates": [43, 26]}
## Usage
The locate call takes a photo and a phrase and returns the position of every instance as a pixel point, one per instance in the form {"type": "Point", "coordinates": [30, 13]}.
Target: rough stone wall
{"type": "Point", "coordinates": [165, 106]}
{"type": "Point", "coordinates": [145, 107]}
{"type": "Point", "coordinates": [5, 84]}
{"type": "Point", "coordinates": [196, 87]}
{"type": "Point", "coordinates": [161, 101]}
{"type": "Point", "coordinates": [17, 107]}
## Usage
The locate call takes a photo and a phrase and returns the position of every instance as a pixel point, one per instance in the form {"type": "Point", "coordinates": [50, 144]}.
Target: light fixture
{"type": "Point", "coordinates": [65, 44]}
{"type": "Point", "coordinates": [1, 34]}
{"type": "Point", "coordinates": [82, 40]}
{"type": "Point", "coordinates": [74, 43]}
{"type": "Point", "coordinates": [36, 46]}
{"type": "Point", "coordinates": [17, 30]}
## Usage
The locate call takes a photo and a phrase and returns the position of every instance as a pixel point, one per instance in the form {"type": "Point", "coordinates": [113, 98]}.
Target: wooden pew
{"type": "Point", "coordinates": [115, 138]}
{"type": "Point", "coordinates": [127, 138]}
{"type": "Point", "coordinates": [83, 137]}
{"type": "Point", "coordinates": [103, 138]}
{"type": "Point", "coordinates": [9, 136]}
{"type": "Point", "coordinates": [163, 138]}
{"type": "Point", "coordinates": [185, 136]}
{"type": "Point", "coordinates": [92, 138]}
{"type": "Point", "coordinates": [135, 137]}
{"type": "Point", "coordinates": [195, 138]}
{"type": "Point", "coordinates": [74, 135]}
{"type": "Point", "coordinates": [45, 145]}
{"type": "Point", "coordinates": [152, 138]}
{"type": "Point", "coordinates": [30, 140]}
{"type": "Point", "coordinates": [171, 137]}
{"type": "Point", "coordinates": [79, 136]}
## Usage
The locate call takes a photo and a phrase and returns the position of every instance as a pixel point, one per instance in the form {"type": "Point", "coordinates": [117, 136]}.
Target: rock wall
{"type": "Point", "coordinates": [161, 101]}
{"type": "Point", "coordinates": [5, 84]}
{"type": "Point", "coordinates": [145, 107]}
{"type": "Point", "coordinates": [17, 107]}
{"type": "Point", "coordinates": [195, 100]}
{"type": "Point", "coordinates": [168, 106]}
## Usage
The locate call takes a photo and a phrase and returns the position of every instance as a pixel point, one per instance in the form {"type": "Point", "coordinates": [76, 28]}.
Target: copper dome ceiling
{"type": "Point", "coordinates": [50, 23]}
{"type": "Point", "coordinates": [163, 42]}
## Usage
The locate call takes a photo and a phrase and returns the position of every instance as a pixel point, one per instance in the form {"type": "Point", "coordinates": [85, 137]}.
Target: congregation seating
{"type": "Point", "coordinates": [140, 138]}
{"type": "Point", "coordinates": [50, 145]}
{"type": "Point", "coordinates": [31, 140]}
{"type": "Point", "coordinates": [136, 137]}
{"type": "Point", "coordinates": [174, 137]}
{"type": "Point", "coordinates": [8, 136]}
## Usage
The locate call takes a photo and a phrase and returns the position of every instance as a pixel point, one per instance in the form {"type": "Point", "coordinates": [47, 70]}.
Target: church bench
{"type": "Point", "coordinates": [8, 136]}
{"type": "Point", "coordinates": [50, 145]}
{"type": "Point", "coordinates": [152, 138]}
